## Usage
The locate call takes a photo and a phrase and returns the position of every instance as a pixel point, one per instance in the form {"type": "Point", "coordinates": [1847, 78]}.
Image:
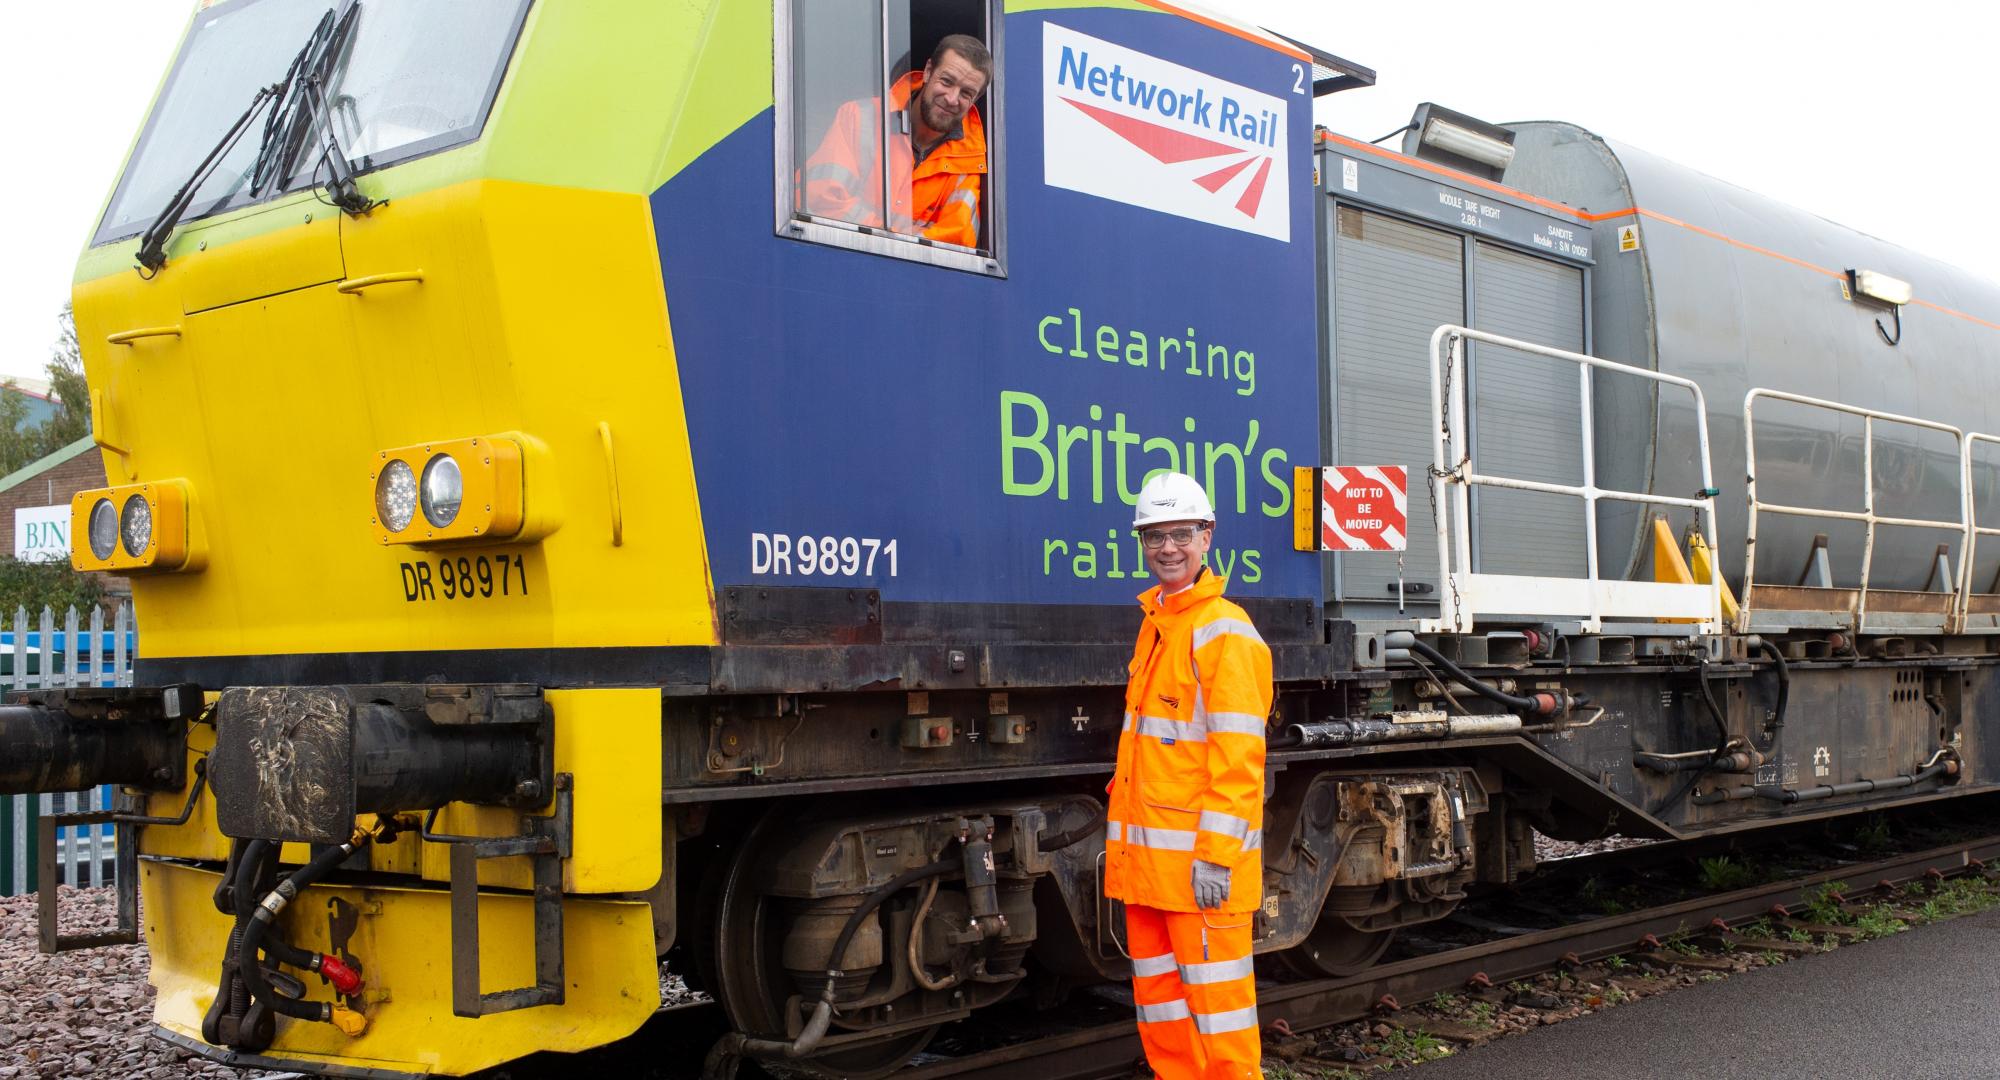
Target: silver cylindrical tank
{"type": "Point", "coordinates": [1737, 290]}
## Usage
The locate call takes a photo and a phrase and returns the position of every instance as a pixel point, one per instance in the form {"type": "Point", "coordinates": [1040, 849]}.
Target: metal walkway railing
{"type": "Point", "coordinates": [1467, 596]}
{"type": "Point", "coordinates": [1778, 607]}
{"type": "Point", "coordinates": [1976, 604]}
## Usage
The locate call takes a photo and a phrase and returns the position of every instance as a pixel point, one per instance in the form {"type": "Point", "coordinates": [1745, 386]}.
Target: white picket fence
{"type": "Point", "coordinates": [80, 653]}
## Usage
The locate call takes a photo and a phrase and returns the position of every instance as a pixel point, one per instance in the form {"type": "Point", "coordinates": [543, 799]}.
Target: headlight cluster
{"type": "Point", "coordinates": [464, 489]}
{"type": "Point", "coordinates": [132, 528]}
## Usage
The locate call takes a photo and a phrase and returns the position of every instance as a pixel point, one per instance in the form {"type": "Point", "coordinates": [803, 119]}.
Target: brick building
{"type": "Point", "coordinates": [50, 481]}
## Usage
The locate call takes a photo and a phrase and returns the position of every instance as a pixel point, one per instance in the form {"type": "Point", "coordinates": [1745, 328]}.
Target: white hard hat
{"type": "Point", "coordinates": [1171, 496]}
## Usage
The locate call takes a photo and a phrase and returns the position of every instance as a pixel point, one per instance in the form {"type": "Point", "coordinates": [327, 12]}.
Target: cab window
{"type": "Point", "coordinates": [391, 92]}
{"type": "Point", "coordinates": [888, 128]}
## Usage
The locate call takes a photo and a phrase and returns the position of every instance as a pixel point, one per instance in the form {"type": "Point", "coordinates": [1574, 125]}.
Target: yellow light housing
{"type": "Point", "coordinates": [440, 492]}
{"type": "Point", "coordinates": [131, 529]}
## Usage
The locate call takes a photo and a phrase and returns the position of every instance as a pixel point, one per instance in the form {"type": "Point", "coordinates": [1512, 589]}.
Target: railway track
{"type": "Point", "coordinates": [1110, 1049]}
{"type": "Point", "coordinates": [1091, 1035]}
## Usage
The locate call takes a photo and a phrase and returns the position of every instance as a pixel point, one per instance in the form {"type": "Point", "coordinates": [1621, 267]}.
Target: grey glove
{"type": "Point", "coordinates": [1211, 884]}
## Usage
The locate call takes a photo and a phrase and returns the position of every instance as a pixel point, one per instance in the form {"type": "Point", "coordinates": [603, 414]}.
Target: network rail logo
{"type": "Point", "coordinates": [1131, 127]}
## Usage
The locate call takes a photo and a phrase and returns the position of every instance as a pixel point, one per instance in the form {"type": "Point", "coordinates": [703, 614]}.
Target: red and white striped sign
{"type": "Point", "coordinates": [1364, 508]}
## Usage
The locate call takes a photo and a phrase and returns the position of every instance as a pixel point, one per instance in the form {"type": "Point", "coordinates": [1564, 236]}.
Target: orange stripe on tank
{"type": "Point", "coordinates": [1630, 211]}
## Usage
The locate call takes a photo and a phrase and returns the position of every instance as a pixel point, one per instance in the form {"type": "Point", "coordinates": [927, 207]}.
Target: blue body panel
{"type": "Point", "coordinates": [842, 394]}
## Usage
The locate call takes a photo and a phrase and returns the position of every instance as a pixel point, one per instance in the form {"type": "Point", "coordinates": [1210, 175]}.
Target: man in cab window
{"type": "Point", "coordinates": [937, 151]}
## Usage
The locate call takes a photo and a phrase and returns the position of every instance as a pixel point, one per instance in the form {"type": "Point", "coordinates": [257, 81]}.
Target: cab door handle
{"type": "Point", "coordinates": [354, 286]}
{"type": "Point", "coordinates": [127, 337]}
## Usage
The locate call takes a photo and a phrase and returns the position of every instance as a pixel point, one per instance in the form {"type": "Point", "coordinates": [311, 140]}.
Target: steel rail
{"type": "Point", "coordinates": [1109, 1050]}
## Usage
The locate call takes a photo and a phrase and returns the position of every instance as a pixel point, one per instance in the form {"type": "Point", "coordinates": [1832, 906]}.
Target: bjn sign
{"type": "Point", "coordinates": [1137, 129]}
{"type": "Point", "coordinates": [41, 533]}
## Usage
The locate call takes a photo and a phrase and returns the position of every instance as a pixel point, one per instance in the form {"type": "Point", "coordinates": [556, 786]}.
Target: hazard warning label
{"type": "Point", "coordinates": [1364, 508]}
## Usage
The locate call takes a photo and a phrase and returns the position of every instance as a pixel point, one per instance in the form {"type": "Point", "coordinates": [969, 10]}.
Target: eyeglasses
{"type": "Point", "coordinates": [1155, 539]}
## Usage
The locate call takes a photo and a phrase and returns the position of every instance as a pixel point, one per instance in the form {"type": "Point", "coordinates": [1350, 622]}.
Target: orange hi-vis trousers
{"type": "Point", "coordinates": [1196, 993]}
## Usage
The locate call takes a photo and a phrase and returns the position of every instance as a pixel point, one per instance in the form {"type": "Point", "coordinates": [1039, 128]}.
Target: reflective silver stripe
{"type": "Point", "coordinates": [1236, 723]}
{"type": "Point", "coordinates": [1255, 841]}
{"type": "Point", "coordinates": [1233, 722]}
{"type": "Point", "coordinates": [1222, 824]}
{"type": "Point", "coordinates": [1233, 1020]}
{"type": "Point", "coordinates": [1159, 839]}
{"type": "Point", "coordinates": [1165, 1011]}
{"type": "Point", "coordinates": [1161, 727]}
{"type": "Point", "coordinates": [1217, 971]}
{"type": "Point", "coordinates": [841, 174]}
{"type": "Point", "coordinates": [1153, 965]}
{"type": "Point", "coordinates": [1205, 634]}
{"type": "Point", "coordinates": [964, 195]}
{"type": "Point", "coordinates": [1112, 831]}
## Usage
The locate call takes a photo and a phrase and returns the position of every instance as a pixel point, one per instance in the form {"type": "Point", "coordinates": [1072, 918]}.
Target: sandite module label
{"type": "Point", "coordinates": [1121, 124]}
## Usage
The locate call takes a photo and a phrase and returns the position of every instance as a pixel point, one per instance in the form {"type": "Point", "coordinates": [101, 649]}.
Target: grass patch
{"type": "Point", "coordinates": [1879, 921]}
{"type": "Point", "coordinates": [1823, 903]}
{"type": "Point", "coordinates": [1404, 1044]}
{"type": "Point", "coordinates": [1720, 873]}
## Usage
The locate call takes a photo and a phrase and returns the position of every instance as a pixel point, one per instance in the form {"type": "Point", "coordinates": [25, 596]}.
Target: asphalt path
{"type": "Point", "coordinates": [1922, 1004]}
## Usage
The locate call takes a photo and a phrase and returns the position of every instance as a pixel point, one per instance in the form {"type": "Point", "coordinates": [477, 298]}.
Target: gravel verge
{"type": "Point", "coordinates": [85, 1015]}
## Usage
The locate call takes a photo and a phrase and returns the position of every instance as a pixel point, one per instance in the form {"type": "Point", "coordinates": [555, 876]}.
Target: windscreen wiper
{"type": "Point", "coordinates": [153, 242]}
{"type": "Point", "coordinates": [340, 186]}
{"type": "Point", "coordinates": [292, 120]}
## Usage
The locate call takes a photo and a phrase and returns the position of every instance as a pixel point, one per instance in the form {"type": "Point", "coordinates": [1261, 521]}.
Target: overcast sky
{"type": "Point", "coordinates": [1878, 116]}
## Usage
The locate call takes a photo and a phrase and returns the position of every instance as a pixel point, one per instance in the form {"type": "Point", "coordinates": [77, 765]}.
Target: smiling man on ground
{"type": "Point", "coordinates": [1184, 833]}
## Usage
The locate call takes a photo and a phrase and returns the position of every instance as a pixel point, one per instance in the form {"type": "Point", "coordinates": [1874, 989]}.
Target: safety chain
{"type": "Point", "coordinates": [1455, 474]}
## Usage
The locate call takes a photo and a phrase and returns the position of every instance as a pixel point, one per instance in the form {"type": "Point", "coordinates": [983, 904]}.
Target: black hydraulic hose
{"type": "Point", "coordinates": [1714, 710]}
{"type": "Point", "coordinates": [1483, 689]}
{"type": "Point", "coordinates": [1057, 841]}
{"type": "Point", "coordinates": [259, 857]}
{"type": "Point", "coordinates": [1777, 729]}
{"type": "Point", "coordinates": [1695, 773]}
{"type": "Point", "coordinates": [260, 924]}
{"type": "Point", "coordinates": [722, 1057]}
{"type": "Point", "coordinates": [868, 904]}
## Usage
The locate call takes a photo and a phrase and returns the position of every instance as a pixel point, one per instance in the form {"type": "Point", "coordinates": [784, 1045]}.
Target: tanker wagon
{"type": "Point", "coordinates": [564, 545]}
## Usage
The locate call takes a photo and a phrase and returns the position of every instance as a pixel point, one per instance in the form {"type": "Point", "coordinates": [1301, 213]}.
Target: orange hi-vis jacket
{"type": "Point", "coordinates": [1190, 778]}
{"type": "Point", "coordinates": [938, 198]}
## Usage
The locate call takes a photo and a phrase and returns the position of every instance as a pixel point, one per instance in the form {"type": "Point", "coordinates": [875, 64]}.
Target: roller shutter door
{"type": "Point", "coordinates": [1394, 283]}
{"type": "Point", "coordinates": [1526, 417]}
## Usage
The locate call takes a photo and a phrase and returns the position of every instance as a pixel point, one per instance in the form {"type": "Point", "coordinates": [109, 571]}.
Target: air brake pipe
{"type": "Point", "coordinates": [1537, 705]}
{"type": "Point", "coordinates": [1931, 769]}
{"type": "Point", "coordinates": [1363, 732]}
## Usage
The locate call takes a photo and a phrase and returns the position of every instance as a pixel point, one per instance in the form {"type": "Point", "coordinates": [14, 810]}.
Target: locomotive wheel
{"type": "Point", "coordinates": [751, 981]}
{"type": "Point", "coordinates": [1335, 949]}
